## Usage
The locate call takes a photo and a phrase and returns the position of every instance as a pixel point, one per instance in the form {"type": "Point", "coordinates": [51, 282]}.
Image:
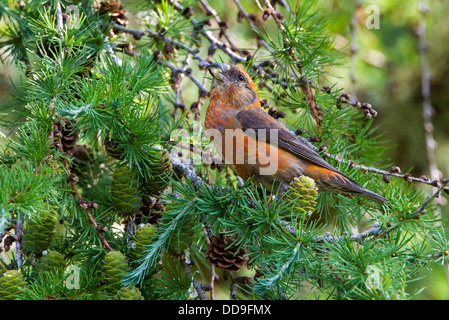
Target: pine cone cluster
{"type": "Point", "coordinates": [222, 253]}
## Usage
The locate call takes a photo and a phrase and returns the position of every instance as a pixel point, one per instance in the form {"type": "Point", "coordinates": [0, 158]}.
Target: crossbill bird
{"type": "Point", "coordinates": [254, 144]}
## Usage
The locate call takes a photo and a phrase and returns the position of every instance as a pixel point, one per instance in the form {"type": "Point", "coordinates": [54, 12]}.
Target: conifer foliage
{"type": "Point", "coordinates": [108, 189]}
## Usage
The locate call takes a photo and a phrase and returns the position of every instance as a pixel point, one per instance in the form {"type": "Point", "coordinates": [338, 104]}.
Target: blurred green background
{"type": "Point", "coordinates": [387, 75]}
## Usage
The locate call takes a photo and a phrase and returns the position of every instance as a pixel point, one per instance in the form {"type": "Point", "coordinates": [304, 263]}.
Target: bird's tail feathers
{"type": "Point", "coordinates": [338, 182]}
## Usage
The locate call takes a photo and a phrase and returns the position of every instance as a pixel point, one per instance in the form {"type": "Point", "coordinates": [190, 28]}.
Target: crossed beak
{"type": "Point", "coordinates": [216, 70]}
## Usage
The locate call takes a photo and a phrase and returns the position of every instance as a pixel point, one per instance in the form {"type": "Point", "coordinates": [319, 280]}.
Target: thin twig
{"type": "Point", "coordinates": [176, 44]}
{"type": "Point", "coordinates": [19, 231]}
{"type": "Point", "coordinates": [421, 209]}
{"type": "Point", "coordinates": [375, 230]}
{"type": "Point", "coordinates": [235, 281]}
{"type": "Point", "coordinates": [199, 287]}
{"type": "Point", "coordinates": [224, 31]}
{"type": "Point", "coordinates": [59, 19]}
{"type": "Point", "coordinates": [188, 172]}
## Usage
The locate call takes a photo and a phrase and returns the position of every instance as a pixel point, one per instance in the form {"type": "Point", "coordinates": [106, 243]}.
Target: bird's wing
{"type": "Point", "coordinates": [257, 119]}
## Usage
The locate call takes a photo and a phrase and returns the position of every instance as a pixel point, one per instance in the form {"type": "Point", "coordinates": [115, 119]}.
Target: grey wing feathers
{"type": "Point", "coordinates": [259, 119]}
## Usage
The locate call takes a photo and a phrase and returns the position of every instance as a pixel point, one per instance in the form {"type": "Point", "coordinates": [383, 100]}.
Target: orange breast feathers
{"type": "Point", "coordinates": [246, 155]}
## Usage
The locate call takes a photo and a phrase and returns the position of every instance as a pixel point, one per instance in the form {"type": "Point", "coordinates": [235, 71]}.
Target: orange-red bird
{"type": "Point", "coordinates": [242, 132]}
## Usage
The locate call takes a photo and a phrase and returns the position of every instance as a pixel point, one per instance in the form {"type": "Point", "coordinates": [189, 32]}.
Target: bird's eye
{"type": "Point", "coordinates": [241, 77]}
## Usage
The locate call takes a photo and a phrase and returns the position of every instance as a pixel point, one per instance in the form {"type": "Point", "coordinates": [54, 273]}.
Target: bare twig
{"type": "Point", "coordinates": [421, 209]}
{"type": "Point", "coordinates": [235, 281]}
{"type": "Point", "coordinates": [59, 19]}
{"type": "Point", "coordinates": [224, 28]}
{"type": "Point", "coordinates": [18, 232]}
{"type": "Point", "coordinates": [176, 44]}
{"type": "Point", "coordinates": [365, 107]}
{"type": "Point", "coordinates": [374, 231]}
{"type": "Point", "coordinates": [199, 287]}
{"type": "Point", "coordinates": [188, 172]}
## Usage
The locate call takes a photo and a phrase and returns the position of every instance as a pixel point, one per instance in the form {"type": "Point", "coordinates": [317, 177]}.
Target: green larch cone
{"type": "Point", "coordinates": [182, 240]}
{"type": "Point", "coordinates": [38, 235]}
{"type": "Point", "coordinates": [51, 261]}
{"type": "Point", "coordinates": [159, 169]}
{"type": "Point", "coordinates": [10, 284]}
{"type": "Point", "coordinates": [126, 197]}
{"type": "Point", "coordinates": [115, 267]}
{"type": "Point", "coordinates": [126, 293]}
{"type": "Point", "coordinates": [143, 237]}
{"type": "Point", "coordinates": [302, 194]}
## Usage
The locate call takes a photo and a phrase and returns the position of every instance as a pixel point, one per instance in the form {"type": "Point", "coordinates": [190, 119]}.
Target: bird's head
{"type": "Point", "coordinates": [233, 85]}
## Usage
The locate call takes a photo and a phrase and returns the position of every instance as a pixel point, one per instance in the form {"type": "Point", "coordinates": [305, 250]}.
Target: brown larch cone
{"type": "Point", "coordinates": [222, 253]}
{"type": "Point", "coordinates": [69, 135]}
{"type": "Point", "coordinates": [150, 211]}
